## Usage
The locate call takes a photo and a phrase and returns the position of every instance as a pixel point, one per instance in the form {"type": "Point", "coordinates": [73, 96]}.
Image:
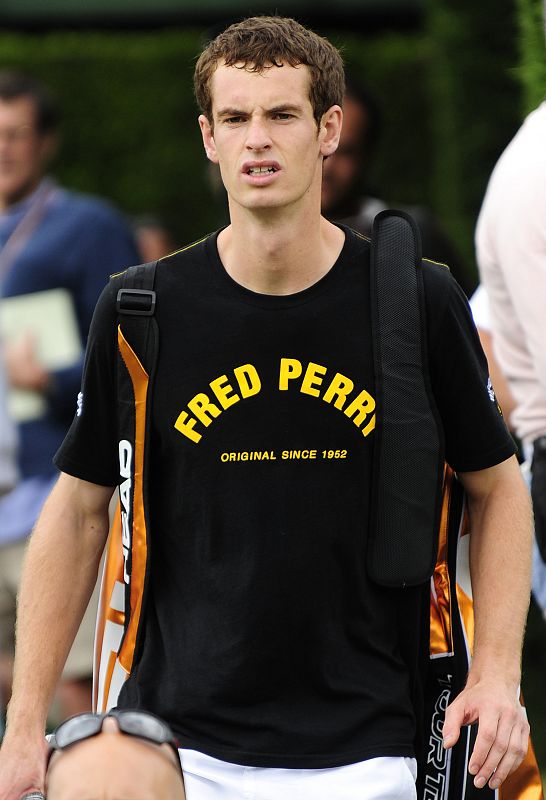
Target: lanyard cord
{"type": "Point", "coordinates": [24, 229]}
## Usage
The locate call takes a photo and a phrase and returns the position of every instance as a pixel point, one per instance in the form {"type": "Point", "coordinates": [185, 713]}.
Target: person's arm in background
{"type": "Point", "coordinates": [8, 436]}
{"type": "Point", "coordinates": [500, 567]}
{"type": "Point", "coordinates": [59, 575]}
{"type": "Point", "coordinates": [516, 241]}
{"type": "Point", "coordinates": [104, 245]}
{"type": "Point", "coordinates": [479, 304]}
{"type": "Point", "coordinates": [500, 384]}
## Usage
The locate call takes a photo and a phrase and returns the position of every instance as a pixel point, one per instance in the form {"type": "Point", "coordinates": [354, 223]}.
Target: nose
{"type": "Point", "coordinates": [110, 725]}
{"type": "Point", "coordinates": [258, 137]}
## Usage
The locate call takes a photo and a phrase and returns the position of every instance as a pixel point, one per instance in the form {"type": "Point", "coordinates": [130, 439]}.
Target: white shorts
{"type": "Point", "coordinates": [386, 778]}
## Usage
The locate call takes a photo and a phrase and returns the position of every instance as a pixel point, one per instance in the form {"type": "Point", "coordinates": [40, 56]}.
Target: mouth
{"type": "Point", "coordinates": [255, 169]}
{"type": "Point", "coordinates": [260, 170]}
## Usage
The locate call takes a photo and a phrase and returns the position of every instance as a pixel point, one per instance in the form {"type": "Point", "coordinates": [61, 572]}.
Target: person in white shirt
{"type": "Point", "coordinates": [511, 254]}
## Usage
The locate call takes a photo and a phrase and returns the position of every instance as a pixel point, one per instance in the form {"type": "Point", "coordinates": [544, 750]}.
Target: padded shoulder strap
{"type": "Point", "coordinates": [135, 303]}
{"type": "Point", "coordinates": [408, 447]}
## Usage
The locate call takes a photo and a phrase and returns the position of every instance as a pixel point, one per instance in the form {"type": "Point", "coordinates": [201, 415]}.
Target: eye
{"type": "Point", "coordinates": [282, 115]}
{"type": "Point", "coordinates": [233, 120]}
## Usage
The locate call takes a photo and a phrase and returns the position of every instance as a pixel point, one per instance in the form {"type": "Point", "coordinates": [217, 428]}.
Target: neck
{"type": "Point", "coordinates": [11, 199]}
{"type": "Point", "coordinates": [270, 253]}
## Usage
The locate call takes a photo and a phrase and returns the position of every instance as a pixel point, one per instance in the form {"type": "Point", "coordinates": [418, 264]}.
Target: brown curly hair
{"type": "Point", "coordinates": [259, 43]}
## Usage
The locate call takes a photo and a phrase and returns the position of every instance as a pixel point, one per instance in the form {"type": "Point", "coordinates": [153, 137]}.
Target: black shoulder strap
{"type": "Point", "coordinates": [408, 447]}
{"type": "Point", "coordinates": [135, 305]}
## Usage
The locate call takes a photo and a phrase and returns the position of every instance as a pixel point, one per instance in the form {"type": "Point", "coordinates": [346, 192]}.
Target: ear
{"type": "Point", "coordinates": [49, 146]}
{"type": "Point", "coordinates": [330, 130]}
{"type": "Point", "coordinates": [208, 139]}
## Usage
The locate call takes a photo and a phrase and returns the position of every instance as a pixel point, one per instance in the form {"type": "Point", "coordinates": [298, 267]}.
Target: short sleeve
{"type": "Point", "coordinates": [89, 450]}
{"type": "Point", "coordinates": [476, 436]}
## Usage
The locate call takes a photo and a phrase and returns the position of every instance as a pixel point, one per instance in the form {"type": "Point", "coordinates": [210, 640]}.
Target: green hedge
{"type": "Point", "coordinates": [532, 50]}
{"type": "Point", "coordinates": [130, 130]}
{"type": "Point", "coordinates": [477, 103]}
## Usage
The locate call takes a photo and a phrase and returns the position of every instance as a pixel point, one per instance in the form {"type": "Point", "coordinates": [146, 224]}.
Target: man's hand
{"type": "Point", "coordinates": [503, 730]}
{"type": "Point", "coordinates": [22, 766]}
{"type": "Point", "coordinates": [22, 366]}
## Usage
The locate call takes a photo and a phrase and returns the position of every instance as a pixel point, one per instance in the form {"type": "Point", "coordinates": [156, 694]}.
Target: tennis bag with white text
{"type": "Point", "coordinates": [124, 580]}
{"type": "Point", "coordinates": [443, 774]}
{"type": "Point", "coordinates": [419, 528]}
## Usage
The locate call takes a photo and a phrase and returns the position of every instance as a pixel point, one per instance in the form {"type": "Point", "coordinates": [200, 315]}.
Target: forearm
{"type": "Point", "coordinates": [500, 566]}
{"type": "Point", "coordinates": [58, 578]}
{"type": "Point", "coordinates": [500, 558]}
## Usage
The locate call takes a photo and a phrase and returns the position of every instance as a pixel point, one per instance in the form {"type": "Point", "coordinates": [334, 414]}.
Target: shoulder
{"type": "Point", "coordinates": [439, 286]}
{"type": "Point", "coordinates": [189, 268]}
{"type": "Point", "coordinates": [87, 209]}
{"type": "Point", "coordinates": [519, 174]}
{"type": "Point", "coordinates": [437, 278]}
{"type": "Point", "coordinates": [357, 244]}
{"type": "Point", "coordinates": [94, 232]}
{"type": "Point", "coordinates": [445, 301]}
{"type": "Point", "coordinates": [189, 252]}
{"type": "Point", "coordinates": [176, 264]}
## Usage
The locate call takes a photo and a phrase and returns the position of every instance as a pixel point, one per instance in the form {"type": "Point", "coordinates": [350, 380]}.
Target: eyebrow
{"type": "Point", "coordinates": [237, 112]}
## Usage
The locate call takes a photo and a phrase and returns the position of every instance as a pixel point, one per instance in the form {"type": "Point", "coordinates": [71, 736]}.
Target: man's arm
{"type": "Point", "coordinates": [500, 567]}
{"type": "Point", "coordinates": [58, 577]}
{"type": "Point", "coordinates": [502, 389]}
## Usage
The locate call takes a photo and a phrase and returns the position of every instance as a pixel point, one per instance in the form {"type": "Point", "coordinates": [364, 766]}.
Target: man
{"type": "Point", "coordinates": [129, 754]}
{"type": "Point", "coordinates": [345, 193]}
{"type": "Point", "coordinates": [262, 640]}
{"type": "Point", "coordinates": [511, 254]}
{"type": "Point", "coordinates": [50, 239]}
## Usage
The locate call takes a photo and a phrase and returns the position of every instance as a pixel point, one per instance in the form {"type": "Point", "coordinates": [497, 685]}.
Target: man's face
{"type": "Point", "coordinates": [265, 138]}
{"type": "Point", "coordinates": [114, 766]}
{"type": "Point", "coordinates": [343, 169]}
{"type": "Point", "coordinates": [24, 151]}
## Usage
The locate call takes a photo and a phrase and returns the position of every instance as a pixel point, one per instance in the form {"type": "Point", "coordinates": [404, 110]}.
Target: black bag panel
{"type": "Point", "coordinates": [408, 448]}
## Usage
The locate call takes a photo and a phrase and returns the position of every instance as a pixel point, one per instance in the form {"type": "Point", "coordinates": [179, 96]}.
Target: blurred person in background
{"type": "Point", "coordinates": [50, 239]}
{"type": "Point", "coordinates": [8, 437]}
{"type": "Point", "coordinates": [345, 191]}
{"type": "Point", "coordinates": [8, 478]}
{"type": "Point", "coordinates": [125, 754]}
{"type": "Point", "coordinates": [511, 254]}
{"type": "Point", "coordinates": [481, 311]}
{"type": "Point", "coordinates": [154, 239]}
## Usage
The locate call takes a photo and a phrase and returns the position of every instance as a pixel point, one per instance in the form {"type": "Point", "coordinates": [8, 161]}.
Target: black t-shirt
{"type": "Point", "coordinates": [265, 642]}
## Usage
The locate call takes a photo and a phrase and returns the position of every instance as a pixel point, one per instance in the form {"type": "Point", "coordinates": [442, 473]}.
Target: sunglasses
{"type": "Point", "coordinates": [140, 724]}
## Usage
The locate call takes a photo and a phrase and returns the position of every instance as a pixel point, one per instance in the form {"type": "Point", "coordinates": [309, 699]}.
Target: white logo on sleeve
{"type": "Point", "coordinates": [490, 390]}
{"type": "Point", "coordinates": [79, 407]}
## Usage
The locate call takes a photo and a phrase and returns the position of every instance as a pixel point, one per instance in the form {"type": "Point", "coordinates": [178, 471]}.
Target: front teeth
{"type": "Point", "coordinates": [260, 170]}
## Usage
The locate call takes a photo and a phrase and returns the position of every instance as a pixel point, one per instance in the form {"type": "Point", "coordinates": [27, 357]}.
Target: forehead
{"type": "Point", "coordinates": [19, 111]}
{"type": "Point", "coordinates": [113, 766]}
{"type": "Point", "coordinates": [238, 87]}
